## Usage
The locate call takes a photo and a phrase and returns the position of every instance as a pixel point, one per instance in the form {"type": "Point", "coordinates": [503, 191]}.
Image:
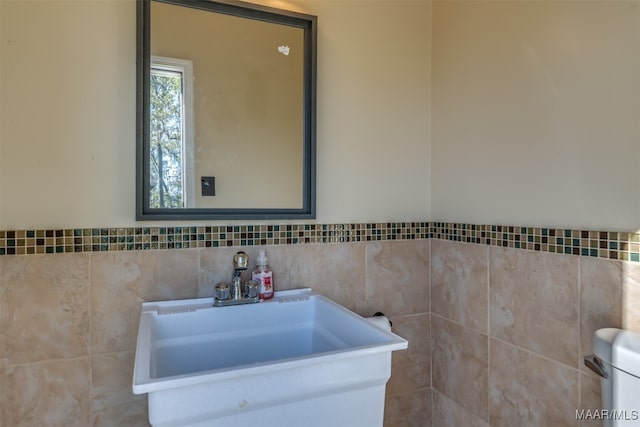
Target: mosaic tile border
{"type": "Point", "coordinates": [601, 244]}
{"type": "Point", "coordinates": [26, 242]}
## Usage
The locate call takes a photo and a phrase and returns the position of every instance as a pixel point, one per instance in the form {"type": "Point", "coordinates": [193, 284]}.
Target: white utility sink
{"type": "Point", "coordinates": [298, 359]}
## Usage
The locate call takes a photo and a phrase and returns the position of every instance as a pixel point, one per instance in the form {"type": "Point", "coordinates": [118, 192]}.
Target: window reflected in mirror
{"type": "Point", "coordinates": [170, 98]}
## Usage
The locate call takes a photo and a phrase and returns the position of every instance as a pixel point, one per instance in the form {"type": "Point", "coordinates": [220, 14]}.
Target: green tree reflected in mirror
{"type": "Point", "coordinates": [166, 139]}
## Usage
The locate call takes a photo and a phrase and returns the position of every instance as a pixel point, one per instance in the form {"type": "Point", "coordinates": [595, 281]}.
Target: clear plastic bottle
{"type": "Point", "coordinates": [263, 275]}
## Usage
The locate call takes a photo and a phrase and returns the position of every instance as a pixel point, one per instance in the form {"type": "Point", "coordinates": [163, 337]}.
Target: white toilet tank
{"type": "Point", "coordinates": [617, 360]}
{"type": "Point", "coordinates": [601, 365]}
{"type": "Point", "coordinates": [625, 359]}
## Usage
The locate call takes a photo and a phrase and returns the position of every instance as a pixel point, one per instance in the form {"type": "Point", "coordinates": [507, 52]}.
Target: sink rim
{"type": "Point", "coordinates": [143, 382]}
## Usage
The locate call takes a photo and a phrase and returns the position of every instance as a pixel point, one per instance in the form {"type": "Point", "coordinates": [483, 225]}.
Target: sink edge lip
{"type": "Point", "coordinates": [144, 384]}
{"type": "Point", "coordinates": [153, 385]}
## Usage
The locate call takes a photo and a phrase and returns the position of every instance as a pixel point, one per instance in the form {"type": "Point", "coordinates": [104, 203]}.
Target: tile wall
{"type": "Point", "coordinates": [68, 321]}
{"type": "Point", "coordinates": [496, 333]}
{"type": "Point", "coordinates": [510, 328]}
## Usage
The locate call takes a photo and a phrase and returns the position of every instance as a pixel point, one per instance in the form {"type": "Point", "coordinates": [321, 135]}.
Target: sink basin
{"type": "Point", "coordinates": [298, 359]}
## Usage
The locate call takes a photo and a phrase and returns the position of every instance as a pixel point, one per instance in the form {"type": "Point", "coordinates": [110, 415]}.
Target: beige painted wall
{"type": "Point", "coordinates": [535, 113]}
{"type": "Point", "coordinates": [68, 112]}
{"type": "Point", "coordinates": [1, 48]}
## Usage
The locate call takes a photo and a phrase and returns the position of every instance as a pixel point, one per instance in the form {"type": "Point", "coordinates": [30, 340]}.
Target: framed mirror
{"type": "Point", "coordinates": [226, 94]}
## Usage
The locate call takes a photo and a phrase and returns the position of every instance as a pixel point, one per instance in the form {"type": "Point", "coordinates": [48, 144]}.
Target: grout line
{"type": "Point", "coordinates": [488, 335]}
{"type": "Point", "coordinates": [533, 353]}
{"type": "Point", "coordinates": [430, 273]}
{"type": "Point", "coordinates": [366, 277]}
{"type": "Point", "coordinates": [409, 315]}
{"type": "Point", "coordinates": [199, 284]}
{"type": "Point", "coordinates": [505, 341]}
{"type": "Point", "coordinates": [430, 270]}
{"type": "Point", "coordinates": [471, 328]}
{"type": "Point", "coordinates": [47, 361]}
{"type": "Point", "coordinates": [91, 349]}
{"type": "Point", "coordinates": [579, 334]}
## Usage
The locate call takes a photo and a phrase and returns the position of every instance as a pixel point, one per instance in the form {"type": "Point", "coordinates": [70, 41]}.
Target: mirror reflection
{"type": "Point", "coordinates": [229, 101]}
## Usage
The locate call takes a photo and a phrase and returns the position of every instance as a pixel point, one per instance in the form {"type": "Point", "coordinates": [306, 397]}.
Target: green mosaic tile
{"type": "Point", "coordinates": [613, 245]}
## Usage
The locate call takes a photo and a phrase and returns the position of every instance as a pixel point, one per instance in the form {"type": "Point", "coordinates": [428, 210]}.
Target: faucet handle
{"type": "Point", "coordinates": [222, 291]}
{"type": "Point", "coordinates": [251, 289]}
{"type": "Point", "coordinates": [240, 261]}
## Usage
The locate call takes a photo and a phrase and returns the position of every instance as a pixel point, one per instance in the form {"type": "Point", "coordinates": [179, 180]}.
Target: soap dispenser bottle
{"type": "Point", "coordinates": [263, 276]}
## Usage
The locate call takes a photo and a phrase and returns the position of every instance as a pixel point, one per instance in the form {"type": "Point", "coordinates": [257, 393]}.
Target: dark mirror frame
{"type": "Point", "coordinates": [241, 9]}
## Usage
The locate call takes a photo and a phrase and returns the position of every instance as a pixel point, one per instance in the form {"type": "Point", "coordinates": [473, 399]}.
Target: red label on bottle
{"type": "Point", "coordinates": [265, 284]}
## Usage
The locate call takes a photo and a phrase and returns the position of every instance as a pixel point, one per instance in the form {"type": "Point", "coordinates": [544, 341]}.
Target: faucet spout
{"type": "Point", "coordinates": [240, 263]}
{"type": "Point", "coordinates": [236, 285]}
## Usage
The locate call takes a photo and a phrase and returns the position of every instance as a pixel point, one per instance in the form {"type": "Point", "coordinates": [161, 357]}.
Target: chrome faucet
{"type": "Point", "coordinates": [234, 295]}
